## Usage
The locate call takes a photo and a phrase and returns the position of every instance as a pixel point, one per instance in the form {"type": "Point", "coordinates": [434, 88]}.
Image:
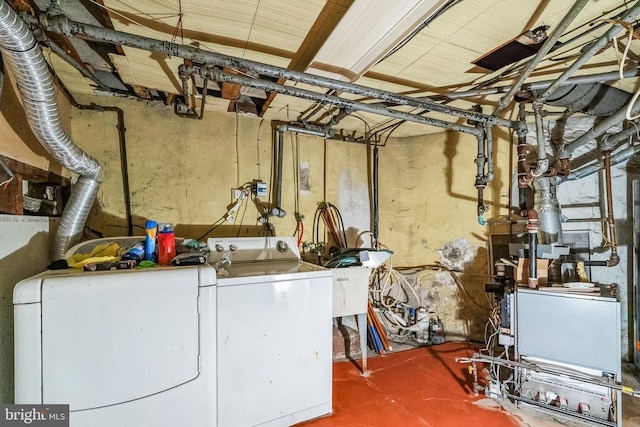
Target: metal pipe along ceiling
{"type": "Point", "coordinates": [598, 45]}
{"type": "Point", "coordinates": [577, 80]}
{"type": "Point", "coordinates": [62, 25]}
{"type": "Point", "coordinates": [546, 48]}
{"type": "Point", "coordinates": [340, 102]}
{"type": "Point", "coordinates": [24, 56]}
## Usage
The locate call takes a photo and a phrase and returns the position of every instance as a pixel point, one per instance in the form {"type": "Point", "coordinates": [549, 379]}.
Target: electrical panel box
{"type": "Point", "coordinates": [259, 188]}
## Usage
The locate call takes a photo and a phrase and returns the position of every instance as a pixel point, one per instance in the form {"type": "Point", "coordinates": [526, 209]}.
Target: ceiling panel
{"type": "Point", "coordinates": [435, 60]}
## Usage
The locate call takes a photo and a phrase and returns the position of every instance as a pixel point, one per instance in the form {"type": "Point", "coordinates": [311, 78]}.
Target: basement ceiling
{"type": "Point", "coordinates": [426, 48]}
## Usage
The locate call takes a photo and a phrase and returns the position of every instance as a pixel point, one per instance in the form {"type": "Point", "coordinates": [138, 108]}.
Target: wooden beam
{"type": "Point", "coordinates": [105, 20]}
{"type": "Point", "coordinates": [12, 197]}
{"type": "Point", "coordinates": [327, 20]}
{"type": "Point", "coordinates": [230, 91]}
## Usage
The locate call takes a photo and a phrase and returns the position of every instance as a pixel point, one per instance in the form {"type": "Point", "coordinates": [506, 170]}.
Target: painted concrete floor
{"type": "Point", "coordinates": [425, 387]}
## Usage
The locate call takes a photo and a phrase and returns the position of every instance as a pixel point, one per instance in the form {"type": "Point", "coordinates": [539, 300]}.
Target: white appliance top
{"type": "Point", "coordinates": [253, 249]}
{"type": "Point", "coordinates": [265, 257]}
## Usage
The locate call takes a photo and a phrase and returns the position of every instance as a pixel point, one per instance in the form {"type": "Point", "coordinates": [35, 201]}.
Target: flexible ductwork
{"type": "Point", "coordinates": [595, 99]}
{"type": "Point", "coordinates": [22, 54]}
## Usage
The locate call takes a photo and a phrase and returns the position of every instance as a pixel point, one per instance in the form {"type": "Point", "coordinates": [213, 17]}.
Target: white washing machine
{"type": "Point", "coordinates": [176, 346]}
{"type": "Point", "coordinates": [274, 333]}
{"type": "Point", "coordinates": [121, 348]}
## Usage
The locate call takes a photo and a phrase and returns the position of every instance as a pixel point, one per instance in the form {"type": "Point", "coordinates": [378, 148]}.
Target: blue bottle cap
{"type": "Point", "coordinates": [151, 224]}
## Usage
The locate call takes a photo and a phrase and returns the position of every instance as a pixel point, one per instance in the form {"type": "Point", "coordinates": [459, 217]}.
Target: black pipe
{"type": "Point", "coordinates": [279, 154]}
{"type": "Point", "coordinates": [532, 228]}
{"type": "Point", "coordinates": [376, 212]}
{"type": "Point", "coordinates": [124, 165]}
{"type": "Point", "coordinates": [523, 166]}
{"type": "Point", "coordinates": [122, 142]}
{"type": "Point", "coordinates": [596, 263]}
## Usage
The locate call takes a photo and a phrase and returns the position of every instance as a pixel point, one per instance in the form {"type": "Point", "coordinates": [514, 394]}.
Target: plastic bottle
{"type": "Point", "coordinates": [150, 252]}
{"type": "Point", "coordinates": [132, 256]}
{"type": "Point", "coordinates": [166, 244]}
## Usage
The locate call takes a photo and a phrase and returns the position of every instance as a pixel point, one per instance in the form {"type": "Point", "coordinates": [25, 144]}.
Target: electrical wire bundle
{"type": "Point", "coordinates": [333, 224]}
{"type": "Point", "coordinates": [231, 216]}
{"type": "Point", "coordinates": [5, 172]}
{"type": "Point", "coordinates": [439, 267]}
{"type": "Point", "coordinates": [399, 307]}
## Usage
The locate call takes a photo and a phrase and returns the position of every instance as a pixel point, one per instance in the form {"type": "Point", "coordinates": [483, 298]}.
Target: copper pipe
{"type": "Point", "coordinates": [565, 167]}
{"type": "Point", "coordinates": [614, 259]}
{"type": "Point", "coordinates": [523, 166]}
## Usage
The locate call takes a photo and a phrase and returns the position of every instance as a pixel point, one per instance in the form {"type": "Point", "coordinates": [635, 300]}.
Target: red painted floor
{"type": "Point", "coordinates": [418, 387]}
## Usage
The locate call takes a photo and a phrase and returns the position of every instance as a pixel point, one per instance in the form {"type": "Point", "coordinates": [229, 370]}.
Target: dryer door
{"type": "Point", "coordinates": [111, 337]}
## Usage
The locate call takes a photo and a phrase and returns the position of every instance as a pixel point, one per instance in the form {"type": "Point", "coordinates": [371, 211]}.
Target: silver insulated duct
{"type": "Point", "coordinates": [22, 54]}
{"type": "Point", "coordinates": [546, 204]}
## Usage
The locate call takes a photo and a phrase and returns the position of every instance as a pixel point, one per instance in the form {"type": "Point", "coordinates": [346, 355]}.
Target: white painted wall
{"type": "Point", "coordinates": [24, 251]}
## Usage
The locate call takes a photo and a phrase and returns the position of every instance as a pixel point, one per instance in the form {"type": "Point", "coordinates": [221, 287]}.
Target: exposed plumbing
{"type": "Point", "coordinates": [481, 179]}
{"type": "Point", "coordinates": [62, 25]}
{"type": "Point", "coordinates": [269, 86]}
{"type": "Point", "coordinates": [489, 136]}
{"type": "Point", "coordinates": [548, 210]}
{"type": "Point", "coordinates": [188, 109]}
{"type": "Point", "coordinates": [543, 160]}
{"type": "Point", "coordinates": [122, 145]}
{"type": "Point", "coordinates": [532, 229]}
{"type": "Point", "coordinates": [594, 48]}
{"type": "Point", "coordinates": [21, 52]}
{"type": "Point", "coordinates": [523, 166]}
{"type": "Point", "coordinates": [614, 258]}
{"type": "Point", "coordinates": [277, 210]}
{"type": "Point", "coordinates": [546, 48]}
{"type": "Point", "coordinates": [567, 148]}
{"type": "Point", "coordinates": [617, 158]}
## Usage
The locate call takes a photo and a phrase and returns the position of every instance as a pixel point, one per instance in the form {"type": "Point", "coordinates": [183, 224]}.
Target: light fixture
{"type": "Point", "coordinates": [367, 32]}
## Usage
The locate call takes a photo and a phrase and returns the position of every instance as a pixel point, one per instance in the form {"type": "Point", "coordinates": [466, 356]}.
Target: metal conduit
{"type": "Point", "coordinates": [63, 25]}
{"type": "Point", "coordinates": [598, 45]}
{"type": "Point", "coordinates": [593, 78]}
{"type": "Point", "coordinates": [24, 56]}
{"type": "Point", "coordinates": [546, 48]}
